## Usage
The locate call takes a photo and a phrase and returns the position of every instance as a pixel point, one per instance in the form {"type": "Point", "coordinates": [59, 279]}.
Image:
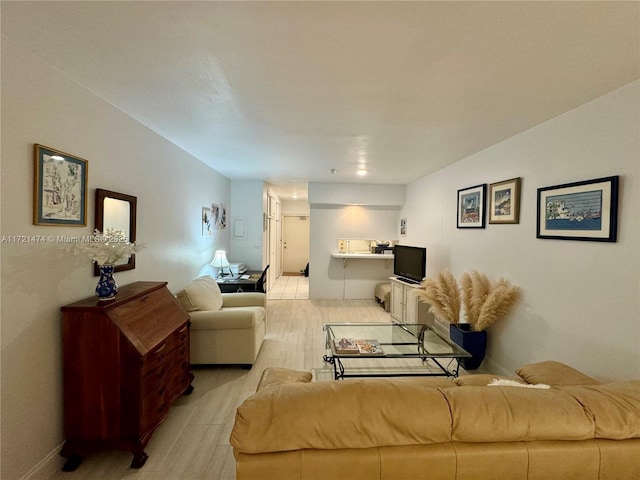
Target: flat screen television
{"type": "Point", "coordinates": [410, 263]}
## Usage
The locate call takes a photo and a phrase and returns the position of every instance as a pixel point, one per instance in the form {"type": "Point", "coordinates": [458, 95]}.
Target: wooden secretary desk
{"type": "Point", "coordinates": [125, 363]}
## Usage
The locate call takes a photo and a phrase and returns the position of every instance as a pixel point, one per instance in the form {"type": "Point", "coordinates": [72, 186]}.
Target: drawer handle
{"type": "Point", "coordinates": [145, 298]}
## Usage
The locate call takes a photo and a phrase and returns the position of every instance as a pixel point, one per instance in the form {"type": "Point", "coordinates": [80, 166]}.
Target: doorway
{"type": "Point", "coordinates": [295, 244]}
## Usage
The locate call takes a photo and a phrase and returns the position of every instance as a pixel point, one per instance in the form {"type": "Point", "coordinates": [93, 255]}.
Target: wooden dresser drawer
{"type": "Point", "coordinates": [154, 369]}
{"type": "Point", "coordinates": [154, 407]}
{"type": "Point", "coordinates": [179, 339]}
{"type": "Point", "coordinates": [178, 378]}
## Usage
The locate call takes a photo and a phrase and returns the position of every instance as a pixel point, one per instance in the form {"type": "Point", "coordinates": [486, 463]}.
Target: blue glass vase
{"type": "Point", "coordinates": [107, 287]}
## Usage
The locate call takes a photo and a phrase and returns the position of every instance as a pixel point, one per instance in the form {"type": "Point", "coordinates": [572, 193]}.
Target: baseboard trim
{"type": "Point", "coordinates": [47, 467]}
{"type": "Point", "coordinates": [493, 367]}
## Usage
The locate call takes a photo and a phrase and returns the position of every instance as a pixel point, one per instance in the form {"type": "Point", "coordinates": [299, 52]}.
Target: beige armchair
{"type": "Point", "coordinates": [226, 328]}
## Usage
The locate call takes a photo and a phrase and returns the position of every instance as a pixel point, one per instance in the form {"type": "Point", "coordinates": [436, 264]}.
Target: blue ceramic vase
{"type": "Point", "coordinates": [107, 287]}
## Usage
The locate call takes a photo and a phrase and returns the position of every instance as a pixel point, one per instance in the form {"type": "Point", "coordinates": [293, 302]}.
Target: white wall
{"type": "Point", "coordinates": [581, 299]}
{"type": "Point", "coordinates": [356, 194]}
{"type": "Point", "coordinates": [295, 207]}
{"type": "Point", "coordinates": [333, 216]}
{"type": "Point", "coordinates": [41, 105]}
{"type": "Point", "coordinates": [247, 200]}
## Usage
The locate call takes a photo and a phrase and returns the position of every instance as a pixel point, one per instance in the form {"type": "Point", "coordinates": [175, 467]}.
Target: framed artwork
{"type": "Point", "coordinates": [221, 222]}
{"type": "Point", "coordinates": [504, 201]}
{"type": "Point", "coordinates": [586, 210]}
{"type": "Point", "coordinates": [60, 188]}
{"type": "Point", "coordinates": [207, 222]}
{"type": "Point", "coordinates": [403, 227]}
{"type": "Point", "coordinates": [215, 216]}
{"type": "Point", "coordinates": [471, 211]}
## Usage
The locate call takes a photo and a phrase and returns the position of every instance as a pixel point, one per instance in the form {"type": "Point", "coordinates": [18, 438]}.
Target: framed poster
{"type": "Point", "coordinates": [60, 188]}
{"type": "Point", "coordinates": [586, 210]}
{"type": "Point", "coordinates": [504, 201]}
{"type": "Point", "coordinates": [471, 211]}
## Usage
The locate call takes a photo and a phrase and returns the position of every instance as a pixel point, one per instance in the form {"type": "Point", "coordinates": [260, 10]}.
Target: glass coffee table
{"type": "Point", "coordinates": [382, 340]}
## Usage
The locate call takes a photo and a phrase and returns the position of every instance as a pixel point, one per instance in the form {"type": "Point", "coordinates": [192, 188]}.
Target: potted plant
{"type": "Point", "coordinates": [484, 302]}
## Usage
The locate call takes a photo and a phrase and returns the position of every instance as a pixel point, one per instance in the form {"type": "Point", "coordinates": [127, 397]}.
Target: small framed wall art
{"type": "Point", "coordinates": [586, 210]}
{"type": "Point", "coordinates": [206, 222]}
{"type": "Point", "coordinates": [504, 201]}
{"type": "Point", "coordinates": [60, 188]}
{"type": "Point", "coordinates": [471, 211]}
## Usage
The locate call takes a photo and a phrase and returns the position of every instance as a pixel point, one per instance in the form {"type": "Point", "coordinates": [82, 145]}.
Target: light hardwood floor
{"type": "Point", "coordinates": [193, 442]}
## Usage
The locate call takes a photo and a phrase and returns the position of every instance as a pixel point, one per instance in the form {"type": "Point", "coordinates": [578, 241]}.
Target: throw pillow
{"type": "Point", "coordinates": [203, 294]}
{"type": "Point", "coordinates": [554, 373]}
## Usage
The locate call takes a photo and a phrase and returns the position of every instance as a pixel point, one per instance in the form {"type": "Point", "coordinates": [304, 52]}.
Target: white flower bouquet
{"type": "Point", "coordinates": [106, 248]}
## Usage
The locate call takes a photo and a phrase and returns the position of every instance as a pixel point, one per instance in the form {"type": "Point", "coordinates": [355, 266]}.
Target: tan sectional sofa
{"type": "Point", "coordinates": [226, 328]}
{"type": "Point", "coordinates": [440, 429]}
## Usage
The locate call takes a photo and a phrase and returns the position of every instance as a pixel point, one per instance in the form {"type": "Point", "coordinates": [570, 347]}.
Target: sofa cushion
{"type": "Point", "coordinates": [614, 407]}
{"type": "Point", "coordinates": [334, 415]}
{"type": "Point", "coordinates": [505, 414]}
{"type": "Point", "coordinates": [244, 299]}
{"type": "Point", "coordinates": [554, 374]}
{"type": "Point", "coordinates": [201, 295]}
{"type": "Point", "coordinates": [228, 318]}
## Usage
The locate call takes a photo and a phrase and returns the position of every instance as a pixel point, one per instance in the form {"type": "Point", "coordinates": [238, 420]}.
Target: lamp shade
{"type": "Point", "coordinates": [220, 259]}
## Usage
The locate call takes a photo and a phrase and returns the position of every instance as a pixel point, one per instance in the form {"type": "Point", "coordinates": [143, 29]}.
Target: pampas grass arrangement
{"type": "Point", "coordinates": [484, 302]}
{"type": "Point", "coordinates": [475, 290]}
{"type": "Point", "coordinates": [443, 295]}
{"type": "Point", "coordinates": [497, 304]}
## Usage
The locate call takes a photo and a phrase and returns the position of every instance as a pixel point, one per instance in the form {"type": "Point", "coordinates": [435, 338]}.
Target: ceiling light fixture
{"type": "Point", "coordinates": [362, 172]}
{"type": "Point", "coordinates": [333, 171]}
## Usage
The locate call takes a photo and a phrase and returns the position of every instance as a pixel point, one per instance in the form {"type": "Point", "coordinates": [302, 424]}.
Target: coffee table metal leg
{"type": "Point", "coordinates": [339, 373]}
{"type": "Point", "coordinates": [449, 373]}
{"type": "Point", "coordinates": [338, 368]}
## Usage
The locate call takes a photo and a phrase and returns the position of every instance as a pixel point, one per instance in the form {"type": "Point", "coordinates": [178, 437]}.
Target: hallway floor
{"type": "Point", "coordinates": [290, 288]}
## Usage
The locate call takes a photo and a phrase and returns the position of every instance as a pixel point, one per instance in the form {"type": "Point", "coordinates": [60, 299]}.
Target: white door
{"type": "Point", "coordinates": [295, 243]}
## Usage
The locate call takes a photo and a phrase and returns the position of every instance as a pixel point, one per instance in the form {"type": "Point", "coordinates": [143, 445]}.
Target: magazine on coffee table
{"type": "Point", "coordinates": [357, 346]}
{"type": "Point", "coordinates": [369, 347]}
{"type": "Point", "coordinates": [345, 346]}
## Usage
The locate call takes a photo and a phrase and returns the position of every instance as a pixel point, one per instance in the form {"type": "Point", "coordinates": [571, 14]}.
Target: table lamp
{"type": "Point", "coordinates": [220, 262]}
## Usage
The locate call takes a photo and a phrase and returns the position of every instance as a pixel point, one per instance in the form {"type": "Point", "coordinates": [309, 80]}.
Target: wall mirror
{"type": "Point", "coordinates": [116, 211]}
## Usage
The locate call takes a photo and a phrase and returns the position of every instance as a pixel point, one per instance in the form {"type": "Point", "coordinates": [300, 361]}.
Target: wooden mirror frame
{"type": "Point", "coordinates": [101, 195]}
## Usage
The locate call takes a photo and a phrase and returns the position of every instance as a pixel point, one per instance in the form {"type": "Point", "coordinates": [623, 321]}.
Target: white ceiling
{"type": "Point", "coordinates": [286, 91]}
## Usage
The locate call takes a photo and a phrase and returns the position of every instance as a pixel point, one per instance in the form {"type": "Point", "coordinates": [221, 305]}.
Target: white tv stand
{"type": "Point", "coordinates": [404, 303]}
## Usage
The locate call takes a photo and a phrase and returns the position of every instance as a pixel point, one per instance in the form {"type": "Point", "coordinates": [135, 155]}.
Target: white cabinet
{"type": "Point", "coordinates": [404, 303]}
